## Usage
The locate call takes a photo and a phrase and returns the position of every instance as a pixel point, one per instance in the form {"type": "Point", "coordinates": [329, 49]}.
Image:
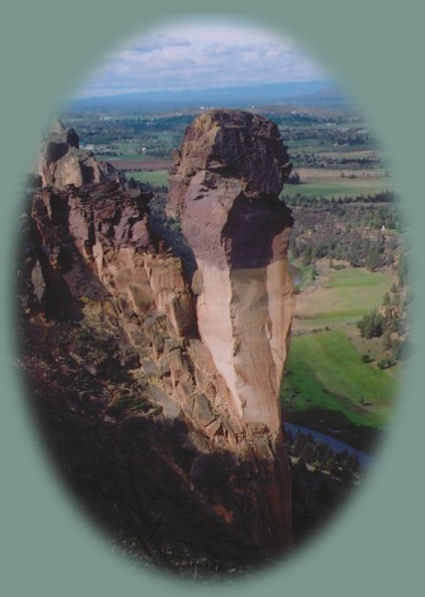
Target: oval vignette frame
{"type": "Point", "coordinates": [369, 482]}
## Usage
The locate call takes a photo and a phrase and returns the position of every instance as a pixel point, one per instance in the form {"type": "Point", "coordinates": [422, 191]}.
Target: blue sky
{"type": "Point", "coordinates": [198, 54]}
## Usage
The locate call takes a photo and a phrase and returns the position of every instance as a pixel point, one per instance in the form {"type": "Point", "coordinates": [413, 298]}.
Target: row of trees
{"type": "Point", "coordinates": [360, 250]}
{"type": "Point", "coordinates": [309, 159]}
{"type": "Point", "coordinates": [307, 451]}
{"type": "Point", "coordinates": [300, 200]}
{"type": "Point", "coordinates": [391, 320]}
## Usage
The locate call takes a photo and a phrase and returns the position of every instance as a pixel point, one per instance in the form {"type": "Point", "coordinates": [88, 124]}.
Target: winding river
{"type": "Point", "coordinates": [335, 444]}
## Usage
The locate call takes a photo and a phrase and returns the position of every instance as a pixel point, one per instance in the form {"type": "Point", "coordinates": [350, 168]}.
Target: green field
{"type": "Point", "coordinates": [339, 187]}
{"type": "Point", "coordinates": [325, 189]}
{"type": "Point", "coordinates": [344, 297]}
{"type": "Point", "coordinates": [326, 374]}
{"type": "Point", "coordinates": [328, 385]}
{"type": "Point", "coordinates": [157, 178]}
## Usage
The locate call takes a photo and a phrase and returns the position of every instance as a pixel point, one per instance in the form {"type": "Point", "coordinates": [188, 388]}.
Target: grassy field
{"type": "Point", "coordinates": [320, 183]}
{"type": "Point", "coordinates": [328, 385]}
{"type": "Point", "coordinates": [326, 184]}
{"type": "Point", "coordinates": [157, 178]}
{"type": "Point", "coordinates": [339, 187]}
{"type": "Point", "coordinates": [326, 374]}
{"type": "Point", "coordinates": [343, 297]}
{"type": "Point", "coordinates": [343, 153]}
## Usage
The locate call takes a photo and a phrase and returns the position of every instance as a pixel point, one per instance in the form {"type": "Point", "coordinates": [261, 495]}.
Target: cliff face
{"type": "Point", "coordinates": [61, 162]}
{"type": "Point", "coordinates": [225, 184]}
{"type": "Point", "coordinates": [202, 352]}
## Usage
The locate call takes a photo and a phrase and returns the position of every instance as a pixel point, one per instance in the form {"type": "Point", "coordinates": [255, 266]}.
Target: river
{"type": "Point", "coordinates": [335, 444]}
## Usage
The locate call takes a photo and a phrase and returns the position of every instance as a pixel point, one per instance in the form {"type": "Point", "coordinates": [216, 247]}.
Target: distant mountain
{"type": "Point", "coordinates": [217, 97]}
{"type": "Point", "coordinates": [329, 96]}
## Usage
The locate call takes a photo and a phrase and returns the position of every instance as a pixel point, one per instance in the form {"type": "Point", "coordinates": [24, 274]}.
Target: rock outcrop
{"type": "Point", "coordinates": [61, 162]}
{"type": "Point", "coordinates": [225, 185]}
{"type": "Point", "coordinates": [181, 368]}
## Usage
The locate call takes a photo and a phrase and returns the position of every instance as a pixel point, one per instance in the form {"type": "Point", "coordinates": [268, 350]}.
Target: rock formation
{"type": "Point", "coordinates": [61, 162]}
{"type": "Point", "coordinates": [226, 183]}
{"type": "Point", "coordinates": [180, 369]}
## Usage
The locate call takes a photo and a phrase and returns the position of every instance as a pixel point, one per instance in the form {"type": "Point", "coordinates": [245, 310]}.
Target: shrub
{"type": "Point", "coordinates": [385, 363]}
{"type": "Point", "coordinates": [372, 325]}
{"type": "Point", "coordinates": [387, 341]}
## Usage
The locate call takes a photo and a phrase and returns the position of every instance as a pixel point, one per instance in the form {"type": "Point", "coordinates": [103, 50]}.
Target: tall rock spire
{"type": "Point", "coordinates": [225, 184]}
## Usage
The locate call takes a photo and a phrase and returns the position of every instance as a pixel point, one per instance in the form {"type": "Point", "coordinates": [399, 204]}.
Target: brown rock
{"type": "Point", "coordinates": [225, 183]}
{"type": "Point", "coordinates": [61, 161]}
{"type": "Point", "coordinates": [202, 410]}
{"type": "Point", "coordinates": [195, 367]}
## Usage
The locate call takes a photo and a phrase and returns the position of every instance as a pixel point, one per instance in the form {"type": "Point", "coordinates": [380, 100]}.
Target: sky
{"type": "Point", "coordinates": [199, 55]}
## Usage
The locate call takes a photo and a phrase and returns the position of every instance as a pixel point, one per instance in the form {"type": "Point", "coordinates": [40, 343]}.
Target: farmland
{"type": "Point", "coordinates": [334, 185]}
{"type": "Point", "coordinates": [315, 184]}
{"type": "Point", "coordinates": [328, 386]}
{"type": "Point", "coordinates": [341, 297]}
{"type": "Point", "coordinates": [327, 374]}
{"type": "Point", "coordinates": [330, 149]}
{"type": "Point", "coordinates": [155, 178]}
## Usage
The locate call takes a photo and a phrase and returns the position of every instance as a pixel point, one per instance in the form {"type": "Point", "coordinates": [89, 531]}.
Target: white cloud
{"type": "Point", "coordinates": [201, 54]}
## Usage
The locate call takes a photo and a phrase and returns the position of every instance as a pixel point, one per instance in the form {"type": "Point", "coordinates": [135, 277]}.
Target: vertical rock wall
{"type": "Point", "coordinates": [207, 356]}
{"type": "Point", "coordinates": [225, 185]}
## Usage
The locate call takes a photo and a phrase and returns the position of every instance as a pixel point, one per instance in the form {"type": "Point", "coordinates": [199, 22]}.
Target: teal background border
{"type": "Point", "coordinates": [375, 546]}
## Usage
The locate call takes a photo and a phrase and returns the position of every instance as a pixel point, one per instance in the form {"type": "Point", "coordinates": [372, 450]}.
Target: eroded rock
{"type": "Point", "coordinates": [225, 183]}
{"type": "Point", "coordinates": [185, 365]}
{"type": "Point", "coordinates": [61, 162]}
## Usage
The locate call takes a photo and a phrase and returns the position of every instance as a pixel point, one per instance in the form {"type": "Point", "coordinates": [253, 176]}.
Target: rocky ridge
{"type": "Point", "coordinates": [62, 162]}
{"type": "Point", "coordinates": [202, 352]}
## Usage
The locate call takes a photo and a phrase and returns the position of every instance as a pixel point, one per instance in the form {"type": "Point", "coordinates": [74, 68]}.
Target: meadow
{"type": "Point", "coordinates": [326, 146]}
{"type": "Point", "coordinates": [326, 383]}
{"type": "Point", "coordinates": [337, 186]}
{"type": "Point", "coordinates": [156, 178]}
{"type": "Point", "coordinates": [327, 374]}
{"type": "Point", "coordinates": [324, 187]}
{"type": "Point", "coordinates": [340, 297]}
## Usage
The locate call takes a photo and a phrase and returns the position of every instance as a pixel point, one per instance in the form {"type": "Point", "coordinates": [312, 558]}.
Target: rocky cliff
{"type": "Point", "coordinates": [174, 368]}
{"type": "Point", "coordinates": [225, 186]}
{"type": "Point", "coordinates": [61, 162]}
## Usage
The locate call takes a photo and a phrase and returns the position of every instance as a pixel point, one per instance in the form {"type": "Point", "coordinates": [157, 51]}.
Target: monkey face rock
{"type": "Point", "coordinates": [225, 186]}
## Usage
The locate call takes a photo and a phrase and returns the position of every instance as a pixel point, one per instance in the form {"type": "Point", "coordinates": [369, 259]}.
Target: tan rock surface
{"type": "Point", "coordinates": [225, 183]}
{"type": "Point", "coordinates": [61, 162]}
{"type": "Point", "coordinates": [202, 361]}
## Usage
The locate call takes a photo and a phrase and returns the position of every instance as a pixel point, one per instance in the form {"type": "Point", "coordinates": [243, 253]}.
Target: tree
{"type": "Point", "coordinates": [385, 363]}
{"type": "Point", "coordinates": [372, 325]}
{"type": "Point", "coordinates": [293, 179]}
{"type": "Point", "coordinates": [374, 257]}
{"type": "Point", "coordinates": [402, 270]}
